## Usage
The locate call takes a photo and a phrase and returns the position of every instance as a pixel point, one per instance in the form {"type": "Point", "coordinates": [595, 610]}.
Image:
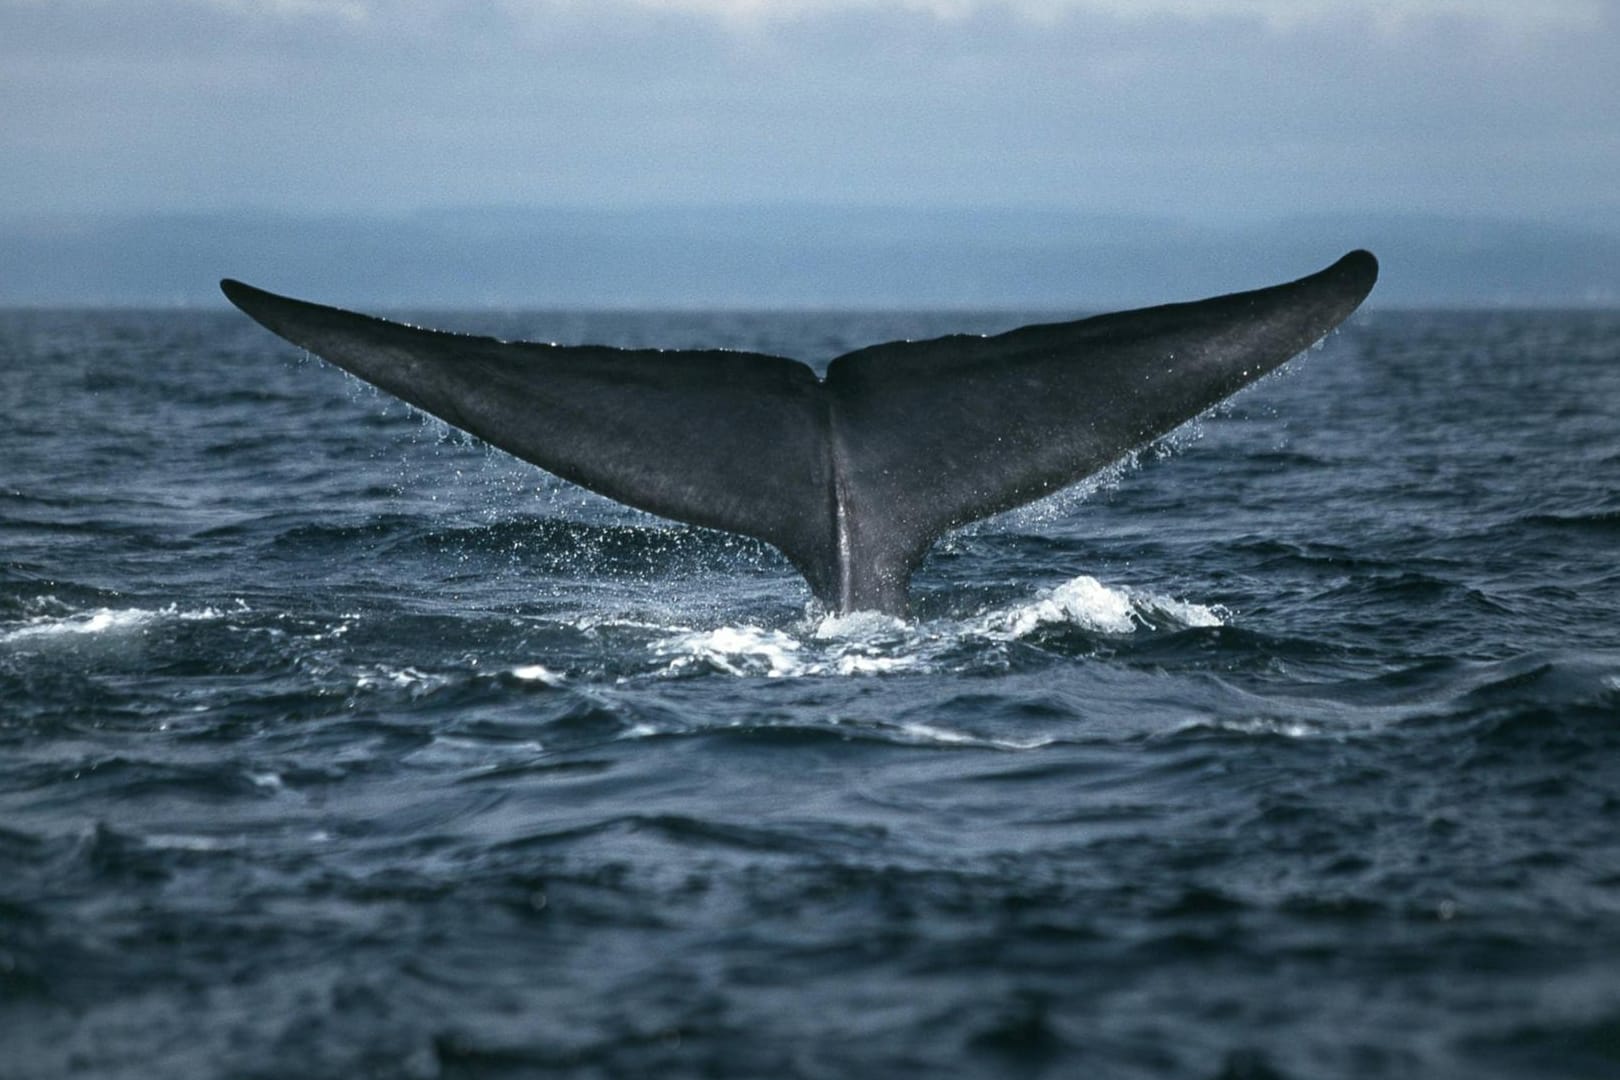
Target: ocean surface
{"type": "Point", "coordinates": [335, 744]}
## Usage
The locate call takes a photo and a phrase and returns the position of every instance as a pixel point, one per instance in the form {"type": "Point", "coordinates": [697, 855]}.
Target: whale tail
{"type": "Point", "coordinates": [854, 475]}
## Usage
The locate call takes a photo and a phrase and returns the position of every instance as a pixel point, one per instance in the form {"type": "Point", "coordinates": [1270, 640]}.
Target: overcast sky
{"type": "Point", "coordinates": [1209, 110]}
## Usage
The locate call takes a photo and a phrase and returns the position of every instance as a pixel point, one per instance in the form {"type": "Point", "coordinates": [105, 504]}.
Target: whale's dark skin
{"type": "Point", "coordinates": [851, 476]}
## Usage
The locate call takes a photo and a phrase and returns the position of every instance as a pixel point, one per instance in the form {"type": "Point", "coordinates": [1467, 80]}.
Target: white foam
{"type": "Point", "coordinates": [1083, 601]}
{"type": "Point", "coordinates": [862, 644]}
{"type": "Point", "coordinates": [1184, 612]}
{"type": "Point", "coordinates": [861, 626]}
{"type": "Point", "coordinates": [1258, 725]}
{"type": "Point", "coordinates": [866, 643]}
{"type": "Point", "coordinates": [537, 673]}
{"type": "Point", "coordinates": [873, 665]}
{"type": "Point", "coordinates": [869, 643]}
{"type": "Point", "coordinates": [1089, 604]}
{"type": "Point", "coordinates": [102, 621]}
{"type": "Point", "coordinates": [735, 650]}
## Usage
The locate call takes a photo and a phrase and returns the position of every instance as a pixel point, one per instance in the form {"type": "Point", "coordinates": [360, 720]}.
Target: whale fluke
{"type": "Point", "coordinates": [851, 476]}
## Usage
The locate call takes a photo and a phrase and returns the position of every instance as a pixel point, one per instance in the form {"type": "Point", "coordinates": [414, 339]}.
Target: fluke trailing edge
{"type": "Point", "coordinates": [852, 476]}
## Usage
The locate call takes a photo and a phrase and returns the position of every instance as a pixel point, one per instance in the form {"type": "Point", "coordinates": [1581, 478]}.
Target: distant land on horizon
{"type": "Point", "coordinates": [755, 257]}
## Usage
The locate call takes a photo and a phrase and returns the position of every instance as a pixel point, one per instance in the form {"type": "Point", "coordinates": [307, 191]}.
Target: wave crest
{"type": "Point", "coordinates": [869, 643]}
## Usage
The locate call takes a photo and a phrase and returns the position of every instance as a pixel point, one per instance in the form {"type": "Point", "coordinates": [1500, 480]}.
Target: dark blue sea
{"type": "Point", "coordinates": [335, 744]}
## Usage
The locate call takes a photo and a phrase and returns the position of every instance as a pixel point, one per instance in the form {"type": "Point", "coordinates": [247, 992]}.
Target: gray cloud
{"type": "Point", "coordinates": [379, 104]}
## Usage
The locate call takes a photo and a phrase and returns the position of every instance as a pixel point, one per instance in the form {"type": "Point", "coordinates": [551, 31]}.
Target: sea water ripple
{"type": "Point", "coordinates": [333, 743]}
